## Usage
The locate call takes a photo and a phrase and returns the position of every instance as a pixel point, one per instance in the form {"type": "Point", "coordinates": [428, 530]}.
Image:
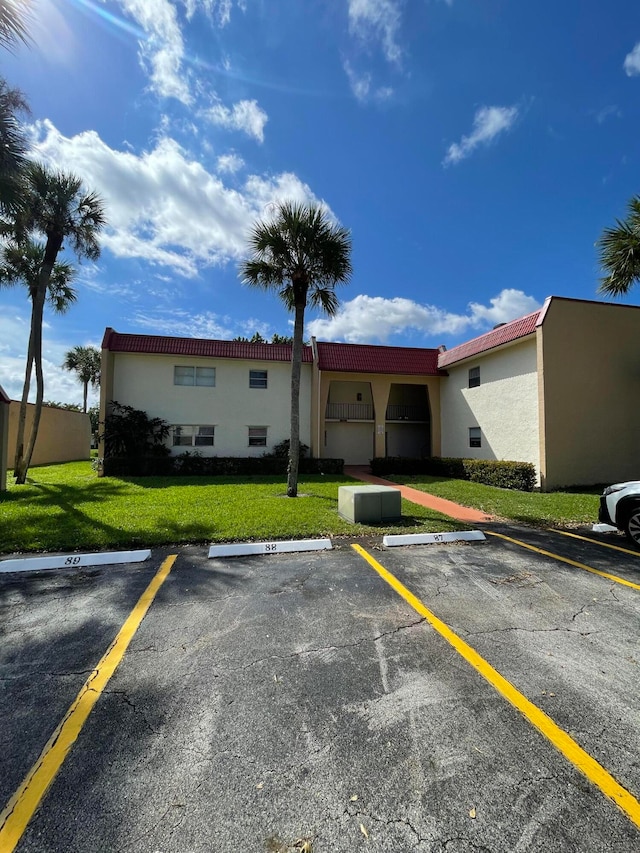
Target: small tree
{"type": "Point", "coordinates": [85, 361]}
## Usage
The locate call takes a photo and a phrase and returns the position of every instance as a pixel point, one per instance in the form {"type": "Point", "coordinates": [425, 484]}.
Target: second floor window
{"type": "Point", "coordinates": [257, 379]}
{"type": "Point", "coordinates": [194, 376]}
{"type": "Point", "coordinates": [474, 377]}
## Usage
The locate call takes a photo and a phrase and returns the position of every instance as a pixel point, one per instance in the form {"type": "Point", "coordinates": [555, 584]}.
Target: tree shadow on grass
{"type": "Point", "coordinates": [57, 522]}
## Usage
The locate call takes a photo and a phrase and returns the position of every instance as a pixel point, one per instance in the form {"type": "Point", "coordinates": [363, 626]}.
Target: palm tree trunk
{"type": "Point", "coordinates": [296, 364]}
{"type": "Point", "coordinates": [22, 418]}
{"type": "Point", "coordinates": [86, 386]}
{"type": "Point", "coordinates": [35, 349]}
{"type": "Point", "coordinates": [52, 248]}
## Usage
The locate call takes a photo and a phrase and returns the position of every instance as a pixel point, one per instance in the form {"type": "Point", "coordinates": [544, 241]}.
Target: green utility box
{"type": "Point", "coordinates": [369, 504]}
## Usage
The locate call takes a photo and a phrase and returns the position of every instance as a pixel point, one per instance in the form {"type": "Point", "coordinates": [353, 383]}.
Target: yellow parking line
{"type": "Point", "coordinates": [594, 771]}
{"type": "Point", "coordinates": [23, 804]}
{"type": "Point", "coordinates": [564, 560]}
{"type": "Point", "coordinates": [596, 542]}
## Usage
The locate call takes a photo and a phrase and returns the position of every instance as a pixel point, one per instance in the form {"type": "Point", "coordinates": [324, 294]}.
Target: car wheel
{"type": "Point", "coordinates": [632, 526]}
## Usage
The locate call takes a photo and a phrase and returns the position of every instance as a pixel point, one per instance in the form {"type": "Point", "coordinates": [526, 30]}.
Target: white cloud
{"type": "Point", "coordinates": [177, 321]}
{"type": "Point", "coordinates": [361, 86]}
{"type": "Point", "coordinates": [59, 385]}
{"type": "Point", "coordinates": [611, 111]}
{"type": "Point", "coordinates": [488, 123]}
{"type": "Point", "coordinates": [373, 318]}
{"type": "Point", "coordinates": [508, 305]}
{"type": "Point", "coordinates": [162, 51]}
{"type": "Point", "coordinates": [632, 62]}
{"type": "Point", "coordinates": [377, 20]}
{"type": "Point", "coordinates": [230, 163]}
{"type": "Point", "coordinates": [162, 206]}
{"type": "Point", "coordinates": [360, 83]}
{"type": "Point", "coordinates": [246, 116]}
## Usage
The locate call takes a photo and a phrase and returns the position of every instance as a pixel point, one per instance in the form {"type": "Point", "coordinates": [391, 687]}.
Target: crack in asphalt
{"type": "Point", "coordinates": [330, 648]}
{"type": "Point", "coordinates": [533, 631]}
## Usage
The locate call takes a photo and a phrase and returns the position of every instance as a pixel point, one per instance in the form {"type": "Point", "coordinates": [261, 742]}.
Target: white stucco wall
{"type": "Point", "coordinates": [504, 406]}
{"type": "Point", "coordinates": [146, 382]}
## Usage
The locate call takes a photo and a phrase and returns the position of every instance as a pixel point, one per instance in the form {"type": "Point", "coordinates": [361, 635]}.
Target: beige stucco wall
{"type": "Point", "coordinates": [504, 405]}
{"type": "Point", "coordinates": [63, 436]}
{"type": "Point", "coordinates": [375, 388]}
{"type": "Point", "coordinates": [589, 355]}
{"type": "Point", "coordinates": [146, 382]}
{"type": "Point", "coordinates": [351, 441]}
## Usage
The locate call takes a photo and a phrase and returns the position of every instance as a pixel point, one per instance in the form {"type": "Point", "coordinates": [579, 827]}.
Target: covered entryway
{"type": "Point", "coordinates": [350, 441]}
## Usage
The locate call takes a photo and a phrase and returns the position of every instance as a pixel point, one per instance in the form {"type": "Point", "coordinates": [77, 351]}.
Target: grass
{"type": "Point", "coordinates": [68, 507]}
{"type": "Point", "coordinates": [542, 509]}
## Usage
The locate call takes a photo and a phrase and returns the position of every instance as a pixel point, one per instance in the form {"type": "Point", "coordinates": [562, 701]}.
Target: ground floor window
{"type": "Point", "coordinates": [475, 437]}
{"type": "Point", "coordinates": [192, 436]}
{"type": "Point", "coordinates": [257, 436]}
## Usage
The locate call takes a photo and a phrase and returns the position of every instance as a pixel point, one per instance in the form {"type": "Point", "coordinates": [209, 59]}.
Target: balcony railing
{"type": "Point", "coordinates": [349, 411]}
{"type": "Point", "coordinates": [407, 413]}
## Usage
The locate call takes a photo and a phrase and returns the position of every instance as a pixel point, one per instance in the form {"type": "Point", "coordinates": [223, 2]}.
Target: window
{"type": "Point", "coordinates": [475, 437]}
{"type": "Point", "coordinates": [194, 376]}
{"type": "Point", "coordinates": [257, 436]}
{"type": "Point", "coordinates": [257, 379]}
{"type": "Point", "coordinates": [193, 436]}
{"type": "Point", "coordinates": [474, 377]}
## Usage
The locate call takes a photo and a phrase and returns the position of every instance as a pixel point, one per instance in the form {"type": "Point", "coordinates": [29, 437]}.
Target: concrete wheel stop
{"type": "Point", "coordinates": [72, 561]}
{"type": "Point", "coordinates": [244, 549]}
{"type": "Point", "coordinates": [433, 538]}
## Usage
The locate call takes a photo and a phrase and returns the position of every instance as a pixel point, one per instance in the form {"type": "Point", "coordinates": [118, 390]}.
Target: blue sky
{"type": "Point", "coordinates": [476, 150]}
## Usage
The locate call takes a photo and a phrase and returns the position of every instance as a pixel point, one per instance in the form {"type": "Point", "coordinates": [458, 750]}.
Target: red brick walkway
{"type": "Point", "coordinates": [453, 510]}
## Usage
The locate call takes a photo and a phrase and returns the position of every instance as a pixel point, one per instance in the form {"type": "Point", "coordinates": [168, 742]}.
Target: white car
{"type": "Point", "coordinates": [620, 507]}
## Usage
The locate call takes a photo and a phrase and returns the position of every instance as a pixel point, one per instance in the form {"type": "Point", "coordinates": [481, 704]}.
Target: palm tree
{"type": "Point", "coordinates": [56, 206]}
{"type": "Point", "coordinates": [14, 17]}
{"type": "Point", "coordinates": [86, 363]}
{"type": "Point", "coordinates": [301, 255]}
{"type": "Point", "coordinates": [620, 252]}
{"type": "Point", "coordinates": [13, 146]}
{"type": "Point", "coordinates": [21, 265]}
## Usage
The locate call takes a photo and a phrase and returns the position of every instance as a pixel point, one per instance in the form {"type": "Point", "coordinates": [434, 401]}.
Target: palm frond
{"type": "Point", "coordinates": [619, 253]}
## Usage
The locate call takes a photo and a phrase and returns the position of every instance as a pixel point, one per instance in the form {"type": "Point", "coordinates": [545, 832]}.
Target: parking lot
{"type": "Point", "coordinates": [268, 703]}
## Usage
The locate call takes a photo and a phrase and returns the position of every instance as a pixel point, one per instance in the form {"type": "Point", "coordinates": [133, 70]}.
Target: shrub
{"type": "Point", "coordinates": [282, 449]}
{"type": "Point", "coordinates": [190, 464]}
{"type": "Point", "coordinates": [492, 472]}
{"type": "Point", "coordinates": [131, 433]}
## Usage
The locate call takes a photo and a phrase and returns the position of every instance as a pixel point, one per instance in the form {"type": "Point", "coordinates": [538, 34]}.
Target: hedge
{"type": "Point", "coordinates": [492, 472]}
{"type": "Point", "coordinates": [192, 464]}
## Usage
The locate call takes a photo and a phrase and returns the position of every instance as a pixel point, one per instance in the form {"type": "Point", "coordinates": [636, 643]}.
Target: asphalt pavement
{"type": "Point", "coordinates": [268, 703]}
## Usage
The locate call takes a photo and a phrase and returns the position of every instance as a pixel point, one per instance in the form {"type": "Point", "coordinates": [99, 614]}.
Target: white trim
{"type": "Point", "coordinates": [433, 538]}
{"type": "Point", "coordinates": [72, 561]}
{"type": "Point", "coordinates": [241, 549]}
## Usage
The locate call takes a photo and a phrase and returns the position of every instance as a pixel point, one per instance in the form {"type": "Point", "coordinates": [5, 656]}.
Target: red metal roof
{"type": "Point", "coordinates": [161, 345]}
{"type": "Point", "coordinates": [519, 328]}
{"type": "Point", "coordinates": [362, 358]}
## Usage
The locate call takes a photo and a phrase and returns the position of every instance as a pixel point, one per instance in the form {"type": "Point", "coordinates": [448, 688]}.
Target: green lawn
{"type": "Point", "coordinates": [553, 508]}
{"type": "Point", "coordinates": [67, 507]}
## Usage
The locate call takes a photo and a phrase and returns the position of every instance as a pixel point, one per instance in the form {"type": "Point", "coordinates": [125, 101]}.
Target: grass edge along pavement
{"type": "Point", "coordinates": [542, 509]}
{"type": "Point", "coordinates": [67, 507]}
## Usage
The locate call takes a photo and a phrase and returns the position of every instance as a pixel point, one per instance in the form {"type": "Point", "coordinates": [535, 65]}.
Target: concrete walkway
{"type": "Point", "coordinates": [453, 510]}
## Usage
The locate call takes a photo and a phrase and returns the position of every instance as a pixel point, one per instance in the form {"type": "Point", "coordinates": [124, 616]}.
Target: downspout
{"type": "Point", "coordinates": [316, 365]}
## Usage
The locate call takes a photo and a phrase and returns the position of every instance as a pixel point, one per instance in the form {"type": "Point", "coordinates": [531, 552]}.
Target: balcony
{"type": "Point", "coordinates": [407, 413]}
{"type": "Point", "coordinates": [349, 411]}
